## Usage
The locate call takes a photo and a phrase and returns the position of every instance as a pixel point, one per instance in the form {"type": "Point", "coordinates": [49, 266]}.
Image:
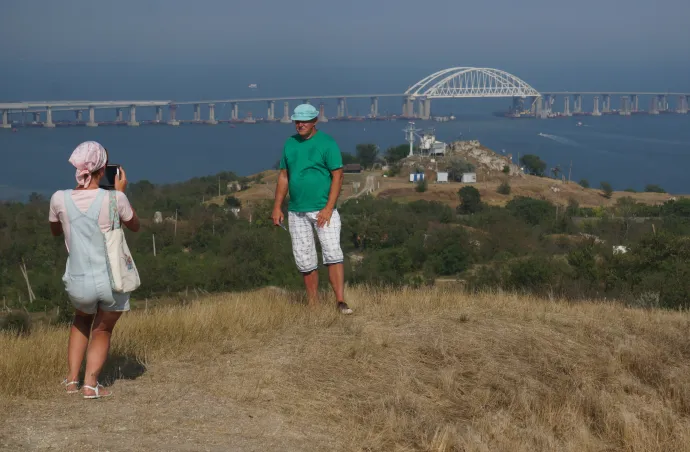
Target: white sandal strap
{"type": "Point", "coordinates": [67, 383]}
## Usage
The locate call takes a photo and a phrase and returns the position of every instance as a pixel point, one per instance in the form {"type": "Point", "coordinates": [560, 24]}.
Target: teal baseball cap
{"type": "Point", "coordinates": [304, 112]}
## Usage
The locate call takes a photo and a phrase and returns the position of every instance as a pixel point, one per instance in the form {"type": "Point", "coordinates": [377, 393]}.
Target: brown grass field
{"type": "Point", "coordinates": [429, 370]}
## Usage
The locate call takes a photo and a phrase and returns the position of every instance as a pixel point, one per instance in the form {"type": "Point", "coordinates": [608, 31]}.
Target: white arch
{"type": "Point", "coordinates": [471, 82]}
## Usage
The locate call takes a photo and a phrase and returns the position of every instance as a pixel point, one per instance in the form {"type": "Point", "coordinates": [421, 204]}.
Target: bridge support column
{"type": "Point", "coordinates": [173, 115]}
{"type": "Point", "coordinates": [374, 107]}
{"type": "Point", "coordinates": [197, 113]}
{"type": "Point", "coordinates": [37, 117]}
{"type": "Point", "coordinates": [133, 116]}
{"type": "Point", "coordinates": [662, 103]}
{"type": "Point", "coordinates": [341, 108]}
{"type": "Point", "coordinates": [427, 108]}
{"type": "Point", "coordinates": [595, 110]}
{"type": "Point", "coordinates": [49, 118]}
{"type": "Point", "coordinates": [78, 115]}
{"type": "Point", "coordinates": [212, 114]}
{"type": "Point", "coordinates": [306, 101]}
{"type": "Point", "coordinates": [235, 112]}
{"type": "Point", "coordinates": [607, 103]}
{"type": "Point", "coordinates": [118, 114]}
{"type": "Point", "coordinates": [539, 109]}
{"type": "Point", "coordinates": [408, 109]}
{"type": "Point", "coordinates": [322, 113]}
{"type": "Point", "coordinates": [271, 115]}
{"type": "Point", "coordinates": [578, 103]}
{"type": "Point", "coordinates": [286, 113]}
{"type": "Point", "coordinates": [5, 120]}
{"type": "Point", "coordinates": [566, 106]}
{"type": "Point", "coordinates": [548, 102]}
{"type": "Point", "coordinates": [653, 106]}
{"type": "Point", "coordinates": [159, 114]}
{"type": "Point", "coordinates": [92, 118]}
{"type": "Point", "coordinates": [635, 103]}
{"type": "Point", "coordinates": [625, 106]}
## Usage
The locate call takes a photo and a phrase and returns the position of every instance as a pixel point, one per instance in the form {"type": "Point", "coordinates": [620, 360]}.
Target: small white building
{"type": "Point", "coordinates": [442, 177]}
{"type": "Point", "coordinates": [469, 178]}
{"type": "Point", "coordinates": [416, 177]}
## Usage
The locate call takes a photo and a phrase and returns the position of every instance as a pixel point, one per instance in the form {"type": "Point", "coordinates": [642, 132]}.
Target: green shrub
{"type": "Point", "coordinates": [504, 188]}
{"type": "Point", "coordinates": [584, 183]}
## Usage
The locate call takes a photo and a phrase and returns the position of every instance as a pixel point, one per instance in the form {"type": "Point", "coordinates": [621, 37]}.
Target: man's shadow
{"type": "Point", "coordinates": [121, 367]}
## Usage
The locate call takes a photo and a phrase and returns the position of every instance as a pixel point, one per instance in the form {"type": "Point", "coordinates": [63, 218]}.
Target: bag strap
{"type": "Point", "coordinates": [114, 214]}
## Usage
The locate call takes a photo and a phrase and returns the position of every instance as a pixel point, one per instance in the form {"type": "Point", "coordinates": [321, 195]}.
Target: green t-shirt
{"type": "Point", "coordinates": [309, 164]}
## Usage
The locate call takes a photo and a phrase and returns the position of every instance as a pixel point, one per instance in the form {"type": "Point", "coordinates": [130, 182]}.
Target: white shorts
{"type": "Point", "coordinates": [302, 225]}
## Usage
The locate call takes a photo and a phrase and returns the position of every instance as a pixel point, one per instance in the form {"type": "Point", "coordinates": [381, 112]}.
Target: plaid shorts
{"type": "Point", "coordinates": [302, 225]}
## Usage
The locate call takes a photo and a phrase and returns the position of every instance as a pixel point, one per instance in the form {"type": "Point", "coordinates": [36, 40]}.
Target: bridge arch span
{"type": "Point", "coordinates": [465, 82]}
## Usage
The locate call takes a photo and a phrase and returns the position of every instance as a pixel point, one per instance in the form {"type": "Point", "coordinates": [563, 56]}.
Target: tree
{"type": "Point", "coordinates": [349, 158]}
{"type": "Point", "coordinates": [556, 171]}
{"type": "Point", "coordinates": [457, 167]}
{"type": "Point", "coordinates": [504, 188]}
{"type": "Point", "coordinates": [534, 164]}
{"type": "Point", "coordinates": [421, 186]}
{"type": "Point", "coordinates": [584, 183]}
{"type": "Point", "coordinates": [653, 188]}
{"type": "Point", "coordinates": [366, 154]}
{"type": "Point", "coordinates": [607, 189]}
{"type": "Point", "coordinates": [470, 200]}
{"type": "Point", "coordinates": [232, 201]}
{"type": "Point", "coordinates": [532, 211]}
{"type": "Point", "coordinates": [396, 153]}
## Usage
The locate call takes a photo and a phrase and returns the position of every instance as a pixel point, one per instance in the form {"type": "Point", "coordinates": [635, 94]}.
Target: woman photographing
{"type": "Point", "coordinates": [83, 216]}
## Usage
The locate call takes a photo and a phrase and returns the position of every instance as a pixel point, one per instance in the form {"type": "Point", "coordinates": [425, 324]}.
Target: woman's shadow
{"type": "Point", "coordinates": [121, 367]}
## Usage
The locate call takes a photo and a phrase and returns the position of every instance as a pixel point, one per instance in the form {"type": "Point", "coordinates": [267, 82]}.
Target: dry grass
{"type": "Point", "coordinates": [411, 370]}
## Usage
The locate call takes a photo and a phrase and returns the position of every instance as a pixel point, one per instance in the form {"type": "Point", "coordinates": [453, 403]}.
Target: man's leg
{"type": "Point", "coordinates": [311, 283]}
{"type": "Point", "coordinates": [329, 237]}
{"type": "Point", "coordinates": [304, 252]}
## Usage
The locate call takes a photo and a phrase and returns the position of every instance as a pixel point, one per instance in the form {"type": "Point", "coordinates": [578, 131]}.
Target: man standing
{"type": "Point", "coordinates": [312, 170]}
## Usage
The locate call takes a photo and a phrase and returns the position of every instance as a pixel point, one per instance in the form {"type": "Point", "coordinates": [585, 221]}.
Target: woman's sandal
{"type": "Point", "coordinates": [97, 395]}
{"type": "Point", "coordinates": [67, 384]}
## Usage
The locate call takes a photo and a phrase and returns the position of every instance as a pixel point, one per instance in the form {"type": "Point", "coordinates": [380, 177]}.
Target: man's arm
{"type": "Point", "coordinates": [281, 193]}
{"type": "Point", "coordinates": [324, 217]}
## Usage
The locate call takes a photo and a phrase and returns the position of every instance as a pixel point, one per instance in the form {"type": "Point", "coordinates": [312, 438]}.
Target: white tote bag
{"type": "Point", "coordinates": [124, 277]}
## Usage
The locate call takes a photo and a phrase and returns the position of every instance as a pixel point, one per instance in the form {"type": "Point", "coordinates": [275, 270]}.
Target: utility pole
{"type": "Point", "coordinates": [218, 186]}
{"type": "Point", "coordinates": [154, 244]}
{"type": "Point", "coordinates": [175, 222]}
{"type": "Point", "coordinates": [570, 172]}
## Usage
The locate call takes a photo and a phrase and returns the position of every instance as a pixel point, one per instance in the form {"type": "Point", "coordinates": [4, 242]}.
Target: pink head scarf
{"type": "Point", "coordinates": [88, 157]}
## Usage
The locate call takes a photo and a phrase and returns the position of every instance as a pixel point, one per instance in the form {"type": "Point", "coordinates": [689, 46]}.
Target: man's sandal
{"type": "Point", "coordinates": [67, 384]}
{"type": "Point", "coordinates": [97, 395]}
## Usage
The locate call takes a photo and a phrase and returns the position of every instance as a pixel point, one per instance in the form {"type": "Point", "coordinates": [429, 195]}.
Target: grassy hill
{"type": "Point", "coordinates": [411, 370]}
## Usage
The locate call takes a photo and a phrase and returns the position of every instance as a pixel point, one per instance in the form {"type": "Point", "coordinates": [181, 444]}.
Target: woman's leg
{"type": "Point", "coordinates": [76, 347]}
{"type": "Point", "coordinates": [97, 353]}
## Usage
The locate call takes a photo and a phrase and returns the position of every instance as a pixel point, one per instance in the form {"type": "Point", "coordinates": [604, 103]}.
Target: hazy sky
{"type": "Point", "coordinates": [533, 37]}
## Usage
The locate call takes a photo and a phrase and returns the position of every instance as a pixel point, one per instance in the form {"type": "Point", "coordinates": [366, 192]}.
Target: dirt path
{"type": "Point", "coordinates": [188, 406]}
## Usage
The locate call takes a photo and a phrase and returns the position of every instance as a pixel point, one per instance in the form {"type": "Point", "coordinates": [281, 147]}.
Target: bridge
{"type": "Point", "coordinates": [452, 83]}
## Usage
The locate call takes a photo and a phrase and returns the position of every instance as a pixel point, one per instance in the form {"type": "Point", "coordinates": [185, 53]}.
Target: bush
{"type": "Point", "coordinates": [504, 188]}
{"type": "Point", "coordinates": [630, 190]}
{"type": "Point", "coordinates": [584, 183]}
{"type": "Point", "coordinates": [607, 189]}
{"type": "Point", "coordinates": [506, 169]}
{"type": "Point", "coordinates": [17, 322]}
{"type": "Point", "coordinates": [531, 211]}
{"type": "Point", "coordinates": [470, 200]}
{"type": "Point", "coordinates": [533, 164]}
{"type": "Point", "coordinates": [232, 201]}
{"type": "Point", "coordinates": [653, 188]}
{"type": "Point", "coordinates": [421, 186]}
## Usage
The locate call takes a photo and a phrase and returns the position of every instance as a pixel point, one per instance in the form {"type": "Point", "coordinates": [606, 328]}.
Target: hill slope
{"type": "Point", "coordinates": [411, 370]}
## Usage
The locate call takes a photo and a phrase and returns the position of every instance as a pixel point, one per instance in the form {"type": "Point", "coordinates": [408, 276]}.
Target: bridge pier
{"type": "Point", "coordinates": [595, 110]}
{"type": "Point", "coordinates": [235, 112]}
{"type": "Point", "coordinates": [548, 102]}
{"type": "Point", "coordinates": [197, 113]}
{"type": "Point", "coordinates": [653, 106]}
{"type": "Point", "coordinates": [37, 117]}
{"type": "Point", "coordinates": [341, 108]}
{"type": "Point", "coordinates": [566, 106]}
{"type": "Point", "coordinates": [374, 107]}
{"type": "Point", "coordinates": [173, 115]}
{"type": "Point", "coordinates": [212, 114]}
{"type": "Point", "coordinates": [322, 113]}
{"type": "Point", "coordinates": [577, 98]}
{"type": "Point", "coordinates": [635, 103]}
{"type": "Point", "coordinates": [5, 120]}
{"type": "Point", "coordinates": [49, 118]}
{"type": "Point", "coordinates": [78, 115]}
{"type": "Point", "coordinates": [306, 101]}
{"type": "Point", "coordinates": [118, 114]}
{"type": "Point", "coordinates": [159, 114]}
{"type": "Point", "coordinates": [625, 106]}
{"type": "Point", "coordinates": [662, 103]}
{"type": "Point", "coordinates": [286, 113]}
{"type": "Point", "coordinates": [607, 103]}
{"type": "Point", "coordinates": [271, 116]}
{"type": "Point", "coordinates": [682, 107]}
{"type": "Point", "coordinates": [408, 107]}
{"type": "Point", "coordinates": [133, 116]}
{"type": "Point", "coordinates": [92, 118]}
